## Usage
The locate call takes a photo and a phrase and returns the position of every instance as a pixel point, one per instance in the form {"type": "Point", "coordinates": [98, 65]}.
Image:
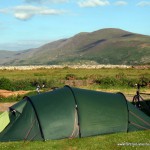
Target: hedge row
{"type": "Point", "coordinates": [109, 82]}
{"type": "Point", "coordinates": [15, 85]}
{"type": "Point", "coordinates": [106, 82]}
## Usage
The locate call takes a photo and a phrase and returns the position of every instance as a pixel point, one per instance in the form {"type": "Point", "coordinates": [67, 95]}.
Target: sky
{"type": "Point", "coordinates": [26, 24]}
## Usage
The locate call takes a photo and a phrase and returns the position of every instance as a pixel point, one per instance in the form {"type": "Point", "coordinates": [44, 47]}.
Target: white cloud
{"type": "Point", "coordinates": [23, 16]}
{"type": "Point", "coordinates": [120, 3]}
{"type": "Point", "coordinates": [143, 3]}
{"type": "Point", "coordinates": [93, 3]}
{"type": "Point", "coordinates": [26, 12]}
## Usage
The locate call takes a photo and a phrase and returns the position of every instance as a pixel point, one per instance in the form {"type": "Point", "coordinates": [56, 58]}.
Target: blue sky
{"type": "Point", "coordinates": [28, 24]}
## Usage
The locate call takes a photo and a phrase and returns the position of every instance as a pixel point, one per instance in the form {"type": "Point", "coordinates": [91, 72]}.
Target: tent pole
{"type": "Point", "coordinates": [75, 107]}
{"type": "Point", "coordinates": [42, 134]}
{"type": "Point", "coordinates": [127, 110]}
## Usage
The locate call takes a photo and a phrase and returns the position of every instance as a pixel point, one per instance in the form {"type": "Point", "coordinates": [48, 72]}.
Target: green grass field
{"type": "Point", "coordinates": [104, 142]}
{"type": "Point", "coordinates": [54, 77]}
{"type": "Point", "coordinates": [104, 79]}
{"type": "Point", "coordinates": [80, 73]}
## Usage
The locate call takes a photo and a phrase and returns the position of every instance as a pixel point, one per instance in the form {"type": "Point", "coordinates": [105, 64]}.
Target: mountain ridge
{"type": "Point", "coordinates": [105, 46]}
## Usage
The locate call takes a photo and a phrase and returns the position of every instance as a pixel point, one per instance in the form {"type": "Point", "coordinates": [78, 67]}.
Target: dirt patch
{"type": "Point", "coordinates": [5, 93]}
{"type": "Point", "coordinates": [5, 106]}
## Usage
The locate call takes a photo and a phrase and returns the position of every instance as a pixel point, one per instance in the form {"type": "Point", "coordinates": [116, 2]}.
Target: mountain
{"type": "Point", "coordinates": [105, 46]}
{"type": "Point", "coordinates": [6, 56]}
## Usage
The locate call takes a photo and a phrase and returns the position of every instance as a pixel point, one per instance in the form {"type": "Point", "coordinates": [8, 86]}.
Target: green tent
{"type": "Point", "coordinates": [71, 112]}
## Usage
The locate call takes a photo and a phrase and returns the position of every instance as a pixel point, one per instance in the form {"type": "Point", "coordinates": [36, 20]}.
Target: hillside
{"type": "Point", "coordinates": [106, 46]}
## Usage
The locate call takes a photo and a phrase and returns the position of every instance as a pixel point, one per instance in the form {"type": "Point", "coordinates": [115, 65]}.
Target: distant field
{"type": "Point", "coordinates": [60, 73]}
{"type": "Point", "coordinates": [104, 79]}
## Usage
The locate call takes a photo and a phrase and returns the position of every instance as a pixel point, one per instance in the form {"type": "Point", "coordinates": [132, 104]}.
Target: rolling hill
{"type": "Point", "coordinates": [105, 46]}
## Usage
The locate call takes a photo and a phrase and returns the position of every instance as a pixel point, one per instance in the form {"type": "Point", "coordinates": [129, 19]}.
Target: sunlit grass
{"type": "Point", "coordinates": [104, 142]}
{"type": "Point", "coordinates": [80, 73]}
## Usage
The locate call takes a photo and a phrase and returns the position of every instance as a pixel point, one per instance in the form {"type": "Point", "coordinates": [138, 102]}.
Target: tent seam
{"type": "Point", "coordinates": [127, 110]}
{"type": "Point", "coordinates": [72, 135]}
{"type": "Point", "coordinates": [28, 98]}
{"type": "Point", "coordinates": [139, 118]}
{"type": "Point", "coordinates": [75, 107]}
{"type": "Point", "coordinates": [133, 123]}
{"type": "Point", "coordinates": [29, 131]}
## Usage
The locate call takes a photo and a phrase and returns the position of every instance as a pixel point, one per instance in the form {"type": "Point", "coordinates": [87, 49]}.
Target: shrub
{"type": "Point", "coordinates": [5, 84]}
{"type": "Point", "coordinates": [109, 82]}
{"type": "Point", "coordinates": [48, 83]}
{"type": "Point", "coordinates": [70, 77]}
{"type": "Point", "coordinates": [143, 81]}
{"type": "Point", "coordinates": [36, 82]}
{"type": "Point", "coordinates": [106, 82]}
{"type": "Point", "coordinates": [21, 85]}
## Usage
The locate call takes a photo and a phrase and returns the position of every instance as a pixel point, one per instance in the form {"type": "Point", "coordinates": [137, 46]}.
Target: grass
{"type": "Point", "coordinates": [57, 75]}
{"type": "Point", "coordinates": [104, 142]}
{"type": "Point", "coordinates": [79, 73]}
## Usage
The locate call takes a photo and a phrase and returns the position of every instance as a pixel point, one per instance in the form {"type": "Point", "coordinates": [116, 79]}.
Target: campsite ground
{"type": "Point", "coordinates": [103, 79]}
{"type": "Point", "coordinates": [7, 93]}
{"type": "Point", "coordinates": [4, 106]}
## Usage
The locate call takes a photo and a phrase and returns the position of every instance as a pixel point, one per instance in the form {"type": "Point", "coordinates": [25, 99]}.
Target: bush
{"type": "Point", "coordinates": [70, 77]}
{"type": "Point", "coordinates": [5, 84]}
{"type": "Point", "coordinates": [109, 82]}
{"type": "Point", "coordinates": [143, 81]}
{"type": "Point", "coordinates": [21, 85]}
{"type": "Point", "coordinates": [36, 82]}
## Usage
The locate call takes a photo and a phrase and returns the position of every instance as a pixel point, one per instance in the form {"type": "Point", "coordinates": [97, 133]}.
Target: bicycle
{"type": "Point", "coordinates": [139, 102]}
{"type": "Point", "coordinates": [137, 98]}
